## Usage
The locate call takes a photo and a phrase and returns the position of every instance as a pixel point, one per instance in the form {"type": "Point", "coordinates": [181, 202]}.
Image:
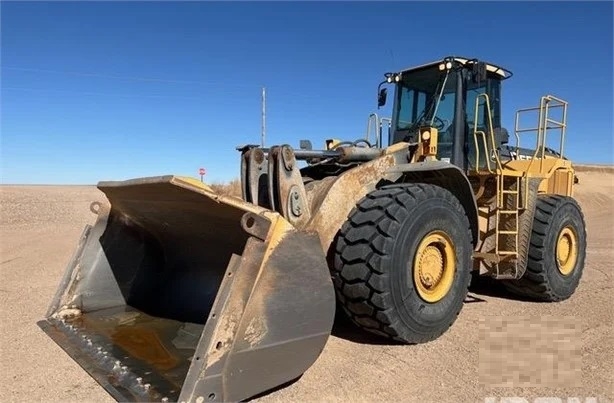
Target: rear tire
{"type": "Point", "coordinates": [556, 253]}
{"type": "Point", "coordinates": [377, 281]}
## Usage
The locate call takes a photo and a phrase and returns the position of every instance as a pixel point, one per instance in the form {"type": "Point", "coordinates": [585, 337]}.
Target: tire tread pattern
{"type": "Point", "coordinates": [535, 283]}
{"type": "Point", "coordinates": [363, 252]}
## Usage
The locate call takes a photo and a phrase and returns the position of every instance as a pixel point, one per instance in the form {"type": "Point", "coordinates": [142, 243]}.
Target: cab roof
{"type": "Point", "coordinates": [504, 73]}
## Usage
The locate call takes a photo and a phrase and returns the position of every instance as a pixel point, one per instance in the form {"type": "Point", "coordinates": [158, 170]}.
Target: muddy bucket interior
{"type": "Point", "coordinates": [170, 296]}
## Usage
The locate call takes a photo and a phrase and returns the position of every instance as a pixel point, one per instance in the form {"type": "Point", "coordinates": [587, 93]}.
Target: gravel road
{"type": "Point", "coordinates": [39, 226]}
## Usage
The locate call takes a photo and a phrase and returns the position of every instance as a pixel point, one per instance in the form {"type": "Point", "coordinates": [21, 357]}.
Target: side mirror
{"type": "Point", "coordinates": [381, 97]}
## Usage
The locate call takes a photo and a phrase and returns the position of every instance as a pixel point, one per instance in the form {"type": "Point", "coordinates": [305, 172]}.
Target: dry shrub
{"type": "Point", "coordinates": [232, 188]}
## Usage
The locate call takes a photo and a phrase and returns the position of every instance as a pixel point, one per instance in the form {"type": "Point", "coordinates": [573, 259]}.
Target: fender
{"type": "Point", "coordinates": [333, 198]}
{"type": "Point", "coordinates": [447, 176]}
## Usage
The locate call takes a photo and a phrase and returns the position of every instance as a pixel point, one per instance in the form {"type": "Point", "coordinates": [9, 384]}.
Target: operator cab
{"type": "Point", "coordinates": [443, 95]}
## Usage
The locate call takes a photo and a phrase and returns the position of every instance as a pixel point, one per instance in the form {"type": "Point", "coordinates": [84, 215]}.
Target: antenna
{"type": "Point", "coordinates": [263, 115]}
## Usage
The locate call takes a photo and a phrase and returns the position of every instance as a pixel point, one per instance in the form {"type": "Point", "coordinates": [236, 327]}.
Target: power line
{"type": "Point", "coordinates": [97, 93]}
{"type": "Point", "coordinates": [116, 77]}
{"type": "Point", "coordinates": [201, 97]}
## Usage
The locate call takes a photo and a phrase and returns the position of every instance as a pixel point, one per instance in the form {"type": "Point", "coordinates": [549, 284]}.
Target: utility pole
{"type": "Point", "coordinates": [263, 115]}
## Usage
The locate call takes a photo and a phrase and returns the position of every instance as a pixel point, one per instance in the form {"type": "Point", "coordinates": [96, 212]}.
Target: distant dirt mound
{"type": "Point", "coordinates": [595, 180]}
{"type": "Point", "coordinates": [595, 193]}
{"type": "Point", "coordinates": [594, 168]}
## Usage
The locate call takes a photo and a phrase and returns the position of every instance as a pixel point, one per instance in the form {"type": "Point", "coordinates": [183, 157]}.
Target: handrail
{"type": "Point", "coordinates": [369, 122]}
{"type": "Point", "coordinates": [486, 159]}
{"type": "Point", "coordinates": [389, 123]}
{"type": "Point", "coordinates": [545, 123]}
{"type": "Point", "coordinates": [376, 123]}
{"type": "Point", "coordinates": [484, 135]}
{"type": "Point", "coordinates": [477, 150]}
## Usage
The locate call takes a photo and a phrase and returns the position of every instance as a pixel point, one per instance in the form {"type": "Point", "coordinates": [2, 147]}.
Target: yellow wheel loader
{"type": "Point", "coordinates": [179, 293]}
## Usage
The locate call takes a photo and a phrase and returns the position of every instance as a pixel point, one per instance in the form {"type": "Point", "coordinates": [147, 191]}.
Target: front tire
{"type": "Point", "coordinates": [402, 263]}
{"type": "Point", "coordinates": [557, 251]}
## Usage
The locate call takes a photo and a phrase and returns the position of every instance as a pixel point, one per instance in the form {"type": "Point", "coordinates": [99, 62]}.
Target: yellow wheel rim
{"type": "Point", "coordinates": [566, 250]}
{"type": "Point", "coordinates": [434, 266]}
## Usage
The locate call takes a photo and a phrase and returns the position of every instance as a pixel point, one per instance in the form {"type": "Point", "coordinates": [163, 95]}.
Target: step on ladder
{"type": "Point", "coordinates": [506, 239]}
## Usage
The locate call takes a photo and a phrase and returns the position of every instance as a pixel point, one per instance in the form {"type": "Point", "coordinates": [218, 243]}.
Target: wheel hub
{"type": "Point", "coordinates": [431, 266]}
{"type": "Point", "coordinates": [434, 266]}
{"type": "Point", "coordinates": [566, 251]}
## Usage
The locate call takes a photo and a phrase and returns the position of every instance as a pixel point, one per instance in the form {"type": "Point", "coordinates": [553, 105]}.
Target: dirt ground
{"type": "Point", "coordinates": [40, 225]}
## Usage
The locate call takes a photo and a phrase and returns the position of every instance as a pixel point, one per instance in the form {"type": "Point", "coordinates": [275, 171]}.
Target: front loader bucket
{"type": "Point", "coordinates": [179, 294]}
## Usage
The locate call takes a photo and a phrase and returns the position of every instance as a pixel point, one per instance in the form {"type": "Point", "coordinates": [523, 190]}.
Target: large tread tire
{"type": "Point", "coordinates": [372, 268]}
{"type": "Point", "coordinates": [542, 280]}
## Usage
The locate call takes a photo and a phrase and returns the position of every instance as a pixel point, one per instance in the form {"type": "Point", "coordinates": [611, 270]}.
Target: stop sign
{"type": "Point", "coordinates": [201, 171]}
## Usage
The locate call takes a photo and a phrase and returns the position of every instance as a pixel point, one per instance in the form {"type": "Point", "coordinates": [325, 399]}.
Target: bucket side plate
{"type": "Point", "coordinates": [178, 293]}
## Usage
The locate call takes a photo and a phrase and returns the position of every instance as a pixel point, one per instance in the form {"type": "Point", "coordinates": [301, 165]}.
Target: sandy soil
{"type": "Point", "coordinates": [40, 225]}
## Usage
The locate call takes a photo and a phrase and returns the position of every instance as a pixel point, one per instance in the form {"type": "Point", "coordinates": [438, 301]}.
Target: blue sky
{"type": "Point", "coordinates": [114, 90]}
